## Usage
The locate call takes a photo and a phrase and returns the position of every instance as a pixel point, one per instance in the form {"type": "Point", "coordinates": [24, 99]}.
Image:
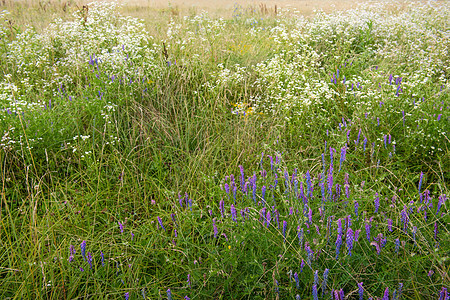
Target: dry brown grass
{"type": "Point", "coordinates": [39, 13]}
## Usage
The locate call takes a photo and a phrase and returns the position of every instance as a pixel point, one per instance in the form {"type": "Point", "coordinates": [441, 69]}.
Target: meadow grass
{"type": "Point", "coordinates": [254, 156]}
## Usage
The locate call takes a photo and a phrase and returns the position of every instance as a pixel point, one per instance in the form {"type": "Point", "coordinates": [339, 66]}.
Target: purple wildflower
{"type": "Point", "coordinates": [356, 209]}
{"type": "Point", "coordinates": [221, 207]}
{"type": "Point", "coordinates": [180, 200]}
{"type": "Point", "coordinates": [127, 296]}
{"type": "Point", "coordinates": [161, 223]}
{"type": "Point", "coordinates": [405, 218]}
{"type": "Point", "coordinates": [420, 181]}
{"type": "Point", "coordinates": [169, 294]}
{"type": "Point", "coordinates": [386, 294]}
{"type": "Point", "coordinates": [120, 226]}
{"type": "Point", "coordinates": [310, 215]}
{"type": "Point", "coordinates": [83, 249]}
{"type": "Point", "coordinates": [360, 291]}
{"type": "Point", "coordinates": [233, 213]}
{"type": "Point", "coordinates": [309, 185]}
{"type": "Point", "coordinates": [349, 239]}
{"type": "Point", "coordinates": [89, 259]}
{"type": "Point", "coordinates": [338, 245]}
{"type": "Point", "coordinates": [242, 178]}
{"type": "Point", "coordinates": [300, 236]}
{"type": "Point", "coordinates": [377, 202]}
{"type": "Point", "coordinates": [227, 188]}
{"type": "Point", "coordinates": [297, 283]}
{"type": "Point", "coordinates": [268, 218]}
{"type": "Point", "coordinates": [343, 154]}
{"type": "Point", "coordinates": [330, 182]}
{"type": "Point", "coordinates": [442, 199]}
{"type": "Point", "coordinates": [302, 265]}
{"type": "Point", "coordinates": [443, 295]}
{"type": "Point", "coordinates": [215, 228]}
{"type": "Point", "coordinates": [263, 192]}
{"type": "Point", "coordinates": [367, 226]}
{"type": "Point", "coordinates": [324, 282]}
{"type": "Point", "coordinates": [284, 228]}
{"type": "Point", "coordinates": [102, 258]}
{"type": "Point", "coordinates": [314, 292]}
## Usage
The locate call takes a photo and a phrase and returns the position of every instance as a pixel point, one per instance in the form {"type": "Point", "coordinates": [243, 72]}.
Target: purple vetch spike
{"type": "Point", "coordinates": [339, 224]}
{"type": "Point", "coordinates": [330, 182]}
{"type": "Point", "coordinates": [397, 245]}
{"type": "Point", "coordinates": [309, 185]}
{"type": "Point", "coordinates": [324, 282]}
{"type": "Point", "coordinates": [420, 181]}
{"type": "Point", "coordinates": [242, 178]}
{"type": "Point", "coordinates": [233, 213]}
{"type": "Point", "coordinates": [262, 160]}
{"type": "Point", "coordinates": [357, 232]}
{"type": "Point", "coordinates": [263, 173]}
{"type": "Point", "coordinates": [405, 218]}
{"type": "Point", "coordinates": [263, 194]}
{"type": "Point", "coordinates": [343, 154]}
{"type": "Point", "coordinates": [216, 232]}
{"type": "Point", "coordinates": [120, 226]}
{"type": "Point", "coordinates": [443, 294]}
{"type": "Point", "coordinates": [300, 236]}
{"type": "Point", "coordinates": [83, 249]}
{"type": "Point", "coordinates": [169, 294]}
{"type": "Point", "coordinates": [284, 228]}
{"type": "Point", "coordinates": [161, 223]}
{"type": "Point", "coordinates": [338, 245]}
{"type": "Point", "coordinates": [349, 240]}
{"type": "Point", "coordinates": [314, 292]}
{"type": "Point", "coordinates": [89, 259]}
{"type": "Point", "coordinates": [180, 200]}
{"type": "Point", "coordinates": [174, 219]}
{"type": "Point", "coordinates": [346, 185]}
{"type": "Point", "coordinates": [389, 221]}
{"type": "Point", "coordinates": [360, 291]}
{"type": "Point", "coordinates": [356, 209]}
{"type": "Point", "coordinates": [341, 294]}
{"type": "Point", "coordinates": [222, 208]}
{"type": "Point", "coordinates": [309, 215]}
{"type": "Point", "coordinates": [302, 265]}
{"type": "Point", "coordinates": [297, 282]}
{"type": "Point", "coordinates": [227, 189]}
{"type": "Point", "coordinates": [367, 226]}
{"type": "Point", "coordinates": [268, 218]}
{"type": "Point", "coordinates": [441, 201]}
{"type": "Point", "coordinates": [386, 294]}
{"type": "Point", "coordinates": [377, 202]}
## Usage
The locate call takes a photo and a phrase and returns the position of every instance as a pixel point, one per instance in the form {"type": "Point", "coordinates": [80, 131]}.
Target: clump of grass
{"type": "Point", "coordinates": [258, 156]}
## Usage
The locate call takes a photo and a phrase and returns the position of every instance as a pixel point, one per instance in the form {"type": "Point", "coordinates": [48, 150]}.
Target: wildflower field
{"type": "Point", "coordinates": [260, 155]}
